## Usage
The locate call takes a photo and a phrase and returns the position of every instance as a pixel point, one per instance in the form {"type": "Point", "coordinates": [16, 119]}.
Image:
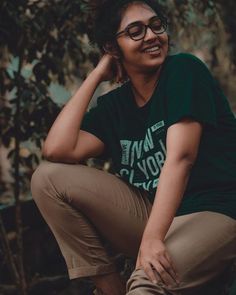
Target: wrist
{"type": "Point", "coordinates": [97, 75]}
{"type": "Point", "coordinates": [153, 235]}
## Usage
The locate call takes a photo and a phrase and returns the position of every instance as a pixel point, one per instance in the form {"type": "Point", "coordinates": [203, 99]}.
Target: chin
{"type": "Point", "coordinates": [152, 66]}
{"type": "Point", "coordinates": [145, 65]}
{"type": "Point", "coordinates": [154, 60]}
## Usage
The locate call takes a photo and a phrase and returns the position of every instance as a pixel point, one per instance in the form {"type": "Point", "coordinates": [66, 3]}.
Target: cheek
{"type": "Point", "coordinates": [164, 39]}
{"type": "Point", "coordinates": [129, 49]}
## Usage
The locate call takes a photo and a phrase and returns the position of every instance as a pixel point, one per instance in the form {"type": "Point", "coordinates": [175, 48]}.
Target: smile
{"type": "Point", "coordinates": [153, 49]}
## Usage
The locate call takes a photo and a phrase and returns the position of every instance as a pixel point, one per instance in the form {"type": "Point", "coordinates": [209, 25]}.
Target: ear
{"type": "Point", "coordinates": [112, 49]}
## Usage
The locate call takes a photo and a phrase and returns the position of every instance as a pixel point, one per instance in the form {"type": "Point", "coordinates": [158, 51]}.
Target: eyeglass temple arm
{"type": "Point", "coordinates": [119, 33]}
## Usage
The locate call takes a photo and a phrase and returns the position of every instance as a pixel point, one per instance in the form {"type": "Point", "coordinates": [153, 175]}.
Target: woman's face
{"type": "Point", "coordinates": [146, 54]}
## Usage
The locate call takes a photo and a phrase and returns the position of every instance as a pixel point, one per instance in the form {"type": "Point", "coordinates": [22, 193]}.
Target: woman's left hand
{"type": "Point", "coordinates": [154, 259]}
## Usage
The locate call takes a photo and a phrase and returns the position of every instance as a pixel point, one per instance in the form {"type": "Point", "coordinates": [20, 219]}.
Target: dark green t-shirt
{"type": "Point", "coordinates": [135, 137]}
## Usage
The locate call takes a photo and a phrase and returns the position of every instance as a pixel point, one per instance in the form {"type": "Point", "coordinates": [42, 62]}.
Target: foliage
{"type": "Point", "coordinates": [49, 35]}
{"type": "Point", "coordinates": [227, 11]}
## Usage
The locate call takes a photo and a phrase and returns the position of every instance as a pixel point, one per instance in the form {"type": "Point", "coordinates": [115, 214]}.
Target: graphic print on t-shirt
{"type": "Point", "coordinates": [142, 160]}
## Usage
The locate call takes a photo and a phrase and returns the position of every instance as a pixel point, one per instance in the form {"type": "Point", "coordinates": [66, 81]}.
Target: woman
{"type": "Point", "coordinates": [172, 138]}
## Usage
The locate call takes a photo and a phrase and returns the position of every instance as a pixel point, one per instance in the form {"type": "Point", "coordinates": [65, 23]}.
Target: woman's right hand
{"type": "Point", "coordinates": [111, 68]}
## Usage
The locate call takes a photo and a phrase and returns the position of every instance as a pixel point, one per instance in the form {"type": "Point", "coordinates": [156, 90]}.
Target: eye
{"type": "Point", "coordinates": [136, 30]}
{"type": "Point", "coordinates": [156, 24]}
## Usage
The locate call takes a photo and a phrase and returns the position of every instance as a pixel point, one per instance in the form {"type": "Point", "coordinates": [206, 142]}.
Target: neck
{"type": "Point", "coordinates": [143, 85]}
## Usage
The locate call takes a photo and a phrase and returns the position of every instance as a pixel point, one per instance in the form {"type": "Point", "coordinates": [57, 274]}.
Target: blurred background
{"type": "Point", "coordinates": [45, 54]}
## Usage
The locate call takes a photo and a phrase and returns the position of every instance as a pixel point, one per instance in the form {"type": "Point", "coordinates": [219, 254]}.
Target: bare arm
{"type": "Point", "coordinates": [65, 141]}
{"type": "Point", "coordinates": [183, 140]}
{"type": "Point", "coordinates": [182, 144]}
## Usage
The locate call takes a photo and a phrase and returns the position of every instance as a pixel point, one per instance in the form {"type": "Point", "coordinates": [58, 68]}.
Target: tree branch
{"type": "Point", "coordinates": [7, 250]}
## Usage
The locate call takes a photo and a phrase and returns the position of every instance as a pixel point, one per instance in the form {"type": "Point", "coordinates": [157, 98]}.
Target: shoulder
{"type": "Point", "coordinates": [185, 61]}
{"type": "Point", "coordinates": [186, 67]}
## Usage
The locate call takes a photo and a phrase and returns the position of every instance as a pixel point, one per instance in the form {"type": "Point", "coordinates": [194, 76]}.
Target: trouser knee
{"type": "Point", "coordinates": [67, 182]}
{"type": "Point", "coordinates": [40, 177]}
{"type": "Point", "coordinates": [48, 179]}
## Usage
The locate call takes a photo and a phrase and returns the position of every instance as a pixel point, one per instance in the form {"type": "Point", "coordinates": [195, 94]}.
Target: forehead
{"type": "Point", "coordinates": [137, 11]}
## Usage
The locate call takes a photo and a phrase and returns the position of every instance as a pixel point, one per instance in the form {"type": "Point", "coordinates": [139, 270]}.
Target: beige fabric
{"type": "Point", "coordinates": [84, 207]}
{"type": "Point", "coordinates": [202, 246]}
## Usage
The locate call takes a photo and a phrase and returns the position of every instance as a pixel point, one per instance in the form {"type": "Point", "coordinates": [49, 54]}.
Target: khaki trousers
{"type": "Point", "coordinates": [85, 206]}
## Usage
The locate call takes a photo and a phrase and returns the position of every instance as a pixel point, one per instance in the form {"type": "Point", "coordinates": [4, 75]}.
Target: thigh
{"type": "Point", "coordinates": [202, 246]}
{"type": "Point", "coordinates": [118, 210]}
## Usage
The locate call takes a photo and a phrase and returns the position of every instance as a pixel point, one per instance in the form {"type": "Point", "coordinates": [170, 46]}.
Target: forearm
{"type": "Point", "coordinates": [63, 134]}
{"type": "Point", "coordinates": [172, 183]}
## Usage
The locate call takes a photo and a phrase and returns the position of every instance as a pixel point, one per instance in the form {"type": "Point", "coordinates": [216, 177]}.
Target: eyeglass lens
{"type": "Point", "coordinates": [138, 31]}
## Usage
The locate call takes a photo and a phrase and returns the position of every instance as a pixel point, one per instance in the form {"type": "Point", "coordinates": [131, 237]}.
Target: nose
{"type": "Point", "coordinates": [149, 34]}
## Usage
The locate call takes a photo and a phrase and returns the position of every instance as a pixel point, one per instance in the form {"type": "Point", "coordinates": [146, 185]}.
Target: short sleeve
{"type": "Point", "coordinates": [94, 121]}
{"type": "Point", "coordinates": [190, 91]}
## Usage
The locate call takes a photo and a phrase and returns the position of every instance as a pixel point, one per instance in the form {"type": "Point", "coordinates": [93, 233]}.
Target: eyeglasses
{"type": "Point", "coordinates": [137, 31]}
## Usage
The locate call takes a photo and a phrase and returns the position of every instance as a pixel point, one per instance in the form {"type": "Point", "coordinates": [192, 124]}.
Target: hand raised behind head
{"type": "Point", "coordinates": [111, 68]}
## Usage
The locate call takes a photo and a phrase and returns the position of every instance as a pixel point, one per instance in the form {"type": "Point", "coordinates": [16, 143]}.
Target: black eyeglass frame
{"type": "Point", "coordinates": [126, 30]}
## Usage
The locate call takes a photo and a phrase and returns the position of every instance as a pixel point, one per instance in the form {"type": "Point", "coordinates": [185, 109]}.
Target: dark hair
{"type": "Point", "coordinates": [108, 18]}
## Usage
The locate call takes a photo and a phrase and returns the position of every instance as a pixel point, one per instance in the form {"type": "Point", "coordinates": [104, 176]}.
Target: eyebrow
{"type": "Point", "coordinates": [138, 22]}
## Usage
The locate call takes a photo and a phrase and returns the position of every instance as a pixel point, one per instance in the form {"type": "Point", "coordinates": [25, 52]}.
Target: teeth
{"type": "Point", "coordinates": [152, 49]}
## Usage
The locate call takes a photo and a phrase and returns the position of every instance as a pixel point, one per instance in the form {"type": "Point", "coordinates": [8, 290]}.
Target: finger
{"type": "Point", "coordinates": [164, 275]}
{"type": "Point", "coordinates": [168, 267]}
{"type": "Point", "coordinates": [122, 72]}
{"type": "Point", "coordinates": [151, 274]}
{"type": "Point", "coordinates": [138, 265]}
{"type": "Point", "coordinates": [173, 267]}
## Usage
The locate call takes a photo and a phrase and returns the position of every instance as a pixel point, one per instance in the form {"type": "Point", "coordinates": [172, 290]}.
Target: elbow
{"type": "Point", "coordinates": [188, 162]}
{"type": "Point", "coordinates": [189, 159]}
{"type": "Point", "coordinates": [57, 155]}
{"type": "Point", "coordinates": [49, 154]}
{"type": "Point", "coordinates": [185, 160]}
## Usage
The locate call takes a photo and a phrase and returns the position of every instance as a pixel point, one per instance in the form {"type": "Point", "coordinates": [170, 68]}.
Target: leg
{"type": "Point", "coordinates": [202, 246]}
{"type": "Point", "coordinates": [83, 207]}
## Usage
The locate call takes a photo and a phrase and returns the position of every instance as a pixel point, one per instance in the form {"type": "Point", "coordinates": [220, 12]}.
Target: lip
{"type": "Point", "coordinates": [149, 47]}
{"type": "Point", "coordinates": [153, 53]}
